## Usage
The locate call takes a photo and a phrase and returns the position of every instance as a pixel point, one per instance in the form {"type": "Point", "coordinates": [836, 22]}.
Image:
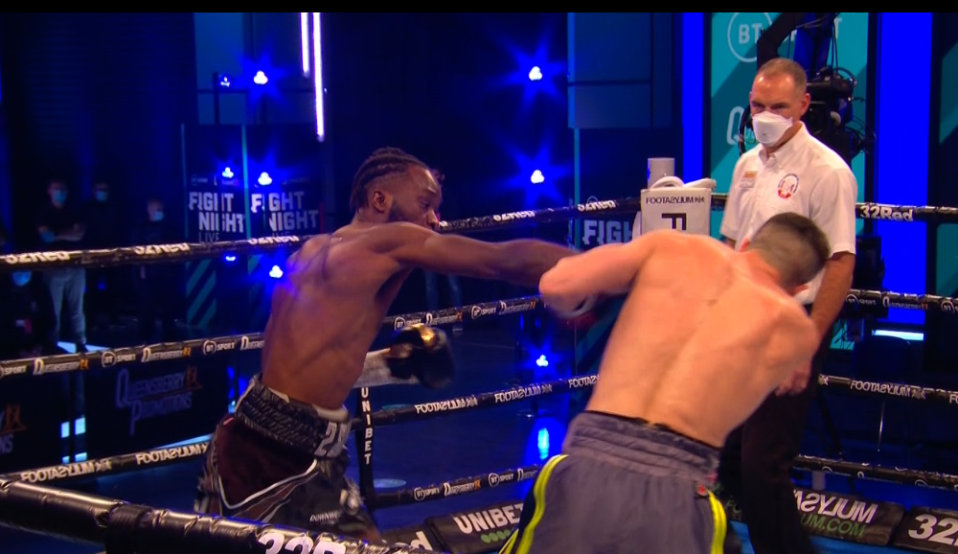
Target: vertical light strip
{"type": "Point", "coordinates": [304, 40]}
{"type": "Point", "coordinates": [901, 149]}
{"type": "Point", "coordinates": [693, 95]}
{"type": "Point", "coordinates": [318, 77]}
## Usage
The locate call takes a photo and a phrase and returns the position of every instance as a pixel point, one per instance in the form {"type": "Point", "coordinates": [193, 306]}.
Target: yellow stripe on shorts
{"type": "Point", "coordinates": [721, 525]}
{"type": "Point", "coordinates": [539, 495]}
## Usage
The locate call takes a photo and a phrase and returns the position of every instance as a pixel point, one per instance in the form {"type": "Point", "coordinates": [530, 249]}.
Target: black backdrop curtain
{"type": "Point", "coordinates": [96, 96]}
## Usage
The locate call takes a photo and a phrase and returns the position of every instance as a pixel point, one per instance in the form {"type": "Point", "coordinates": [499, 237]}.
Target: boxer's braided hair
{"type": "Point", "coordinates": [382, 163]}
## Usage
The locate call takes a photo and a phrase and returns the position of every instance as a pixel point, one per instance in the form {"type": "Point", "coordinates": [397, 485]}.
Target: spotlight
{"type": "Point", "coordinates": [228, 173]}
{"type": "Point", "coordinates": [264, 179]}
{"type": "Point", "coordinates": [276, 272]}
{"type": "Point", "coordinates": [225, 81]}
{"type": "Point", "coordinates": [542, 361]}
{"type": "Point", "coordinates": [229, 258]}
{"type": "Point", "coordinates": [535, 74]}
{"type": "Point", "coordinates": [260, 78]}
{"type": "Point", "coordinates": [537, 177]}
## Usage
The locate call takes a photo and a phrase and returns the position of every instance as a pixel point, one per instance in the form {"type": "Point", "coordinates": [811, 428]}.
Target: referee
{"type": "Point", "coordinates": [790, 171]}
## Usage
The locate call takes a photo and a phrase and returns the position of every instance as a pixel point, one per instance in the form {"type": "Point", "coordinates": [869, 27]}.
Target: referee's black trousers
{"type": "Point", "coordinates": [756, 467]}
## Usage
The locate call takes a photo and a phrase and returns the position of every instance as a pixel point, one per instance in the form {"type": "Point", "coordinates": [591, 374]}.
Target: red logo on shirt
{"type": "Point", "coordinates": [788, 186]}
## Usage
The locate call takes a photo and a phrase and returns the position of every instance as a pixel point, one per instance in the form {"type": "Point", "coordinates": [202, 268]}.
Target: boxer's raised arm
{"type": "Point", "coordinates": [607, 270]}
{"type": "Point", "coordinates": [520, 262]}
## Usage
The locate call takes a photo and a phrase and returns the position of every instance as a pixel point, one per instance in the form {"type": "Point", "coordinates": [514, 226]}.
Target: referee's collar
{"type": "Point", "coordinates": [788, 150]}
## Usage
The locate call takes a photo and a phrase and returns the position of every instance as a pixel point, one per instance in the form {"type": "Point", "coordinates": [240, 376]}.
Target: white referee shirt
{"type": "Point", "coordinates": [805, 177]}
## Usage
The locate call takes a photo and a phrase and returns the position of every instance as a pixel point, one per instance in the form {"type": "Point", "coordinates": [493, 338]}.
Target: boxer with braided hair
{"type": "Point", "coordinates": [281, 457]}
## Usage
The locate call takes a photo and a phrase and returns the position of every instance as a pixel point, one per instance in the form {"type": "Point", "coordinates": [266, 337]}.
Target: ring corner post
{"type": "Point", "coordinates": [364, 445]}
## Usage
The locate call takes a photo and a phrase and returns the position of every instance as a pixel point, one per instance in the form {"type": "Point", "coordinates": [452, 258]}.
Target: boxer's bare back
{"type": "Point", "coordinates": [329, 306]}
{"type": "Point", "coordinates": [704, 336]}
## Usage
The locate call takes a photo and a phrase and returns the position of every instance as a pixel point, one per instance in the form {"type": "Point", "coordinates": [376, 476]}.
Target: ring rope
{"type": "Point", "coordinates": [163, 253]}
{"type": "Point", "coordinates": [898, 475]}
{"type": "Point", "coordinates": [476, 483]}
{"type": "Point", "coordinates": [195, 348]}
{"type": "Point", "coordinates": [94, 520]}
{"type": "Point", "coordinates": [455, 487]}
{"type": "Point", "coordinates": [157, 253]}
{"type": "Point", "coordinates": [165, 456]}
{"type": "Point", "coordinates": [62, 363]}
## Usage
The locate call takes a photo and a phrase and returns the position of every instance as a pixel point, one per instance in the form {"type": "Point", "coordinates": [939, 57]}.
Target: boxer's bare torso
{"type": "Point", "coordinates": [326, 313]}
{"type": "Point", "coordinates": [701, 340]}
{"type": "Point", "coordinates": [329, 306]}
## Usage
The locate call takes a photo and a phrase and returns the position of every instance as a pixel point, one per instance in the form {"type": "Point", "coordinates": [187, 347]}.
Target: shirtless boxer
{"type": "Point", "coordinates": [705, 334]}
{"type": "Point", "coordinates": [281, 457]}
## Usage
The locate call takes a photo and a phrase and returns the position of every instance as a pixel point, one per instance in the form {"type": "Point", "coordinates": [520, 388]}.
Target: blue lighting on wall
{"type": "Point", "coordinates": [535, 72]}
{"type": "Point", "coordinates": [693, 94]}
{"type": "Point", "coordinates": [544, 432]}
{"type": "Point", "coordinates": [543, 443]}
{"type": "Point", "coordinates": [539, 169]}
{"type": "Point", "coordinates": [901, 149]}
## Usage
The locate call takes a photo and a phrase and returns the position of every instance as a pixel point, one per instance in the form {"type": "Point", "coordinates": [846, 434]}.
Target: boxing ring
{"type": "Point", "coordinates": [29, 501]}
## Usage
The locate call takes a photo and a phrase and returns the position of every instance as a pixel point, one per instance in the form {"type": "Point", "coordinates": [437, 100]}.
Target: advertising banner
{"type": "Point", "coordinates": [164, 401]}
{"type": "Point", "coordinates": [840, 516]}
{"type": "Point", "coordinates": [477, 531]}
{"type": "Point", "coordinates": [31, 413]}
{"type": "Point", "coordinates": [215, 202]}
{"type": "Point", "coordinates": [285, 167]}
{"type": "Point", "coordinates": [414, 536]}
{"type": "Point", "coordinates": [929, 530]}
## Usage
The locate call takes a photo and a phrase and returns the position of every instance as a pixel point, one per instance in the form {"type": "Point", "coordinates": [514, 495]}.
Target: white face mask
{"type": "Point", "coordinates": [769, 127]}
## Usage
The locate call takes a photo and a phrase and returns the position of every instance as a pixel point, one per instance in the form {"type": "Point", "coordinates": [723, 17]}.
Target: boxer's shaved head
{"type": "Point", "coordinates": [383, 165]}
{"type": "Point", "coordinates": [794, 246]}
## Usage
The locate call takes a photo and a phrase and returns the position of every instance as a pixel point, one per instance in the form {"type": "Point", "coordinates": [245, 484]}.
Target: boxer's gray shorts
{"type": "Point", "coordinates": [622, 486]}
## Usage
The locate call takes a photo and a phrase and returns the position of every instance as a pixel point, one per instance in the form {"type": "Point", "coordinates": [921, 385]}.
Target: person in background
{"type": "Point", "coordinates": [102, 231]}
{"type": "Point", "coordinates": [61, 227]}
{"type": "Point", "coordinates": [27, 320]}
{"type": "Point", "coordinates": [156, 284]}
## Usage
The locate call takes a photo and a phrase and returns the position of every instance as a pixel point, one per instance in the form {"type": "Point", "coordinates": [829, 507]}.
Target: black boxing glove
{"type": "Point", "coordinates": [422, 352]}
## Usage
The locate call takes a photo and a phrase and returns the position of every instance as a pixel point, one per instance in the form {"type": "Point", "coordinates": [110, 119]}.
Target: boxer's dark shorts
{"type": "Point", "coordinates": [283, 462]}
{"type": "Point", "coordinates": [621, 487]}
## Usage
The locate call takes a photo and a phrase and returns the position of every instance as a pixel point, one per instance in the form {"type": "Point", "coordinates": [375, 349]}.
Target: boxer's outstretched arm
{"type": "Point", "coordinates": [607, 270]}
{"type": "Point", "coordinates": [519, 262]}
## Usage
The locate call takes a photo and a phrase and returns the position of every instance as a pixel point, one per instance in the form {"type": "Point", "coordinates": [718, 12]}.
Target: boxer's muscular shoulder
{"type": "Point", "coordinates": [307, 252]}
{"type": "Point", "coordinates": [390, 237]}
{"type": "Point", "coordinates": [791, 332]}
